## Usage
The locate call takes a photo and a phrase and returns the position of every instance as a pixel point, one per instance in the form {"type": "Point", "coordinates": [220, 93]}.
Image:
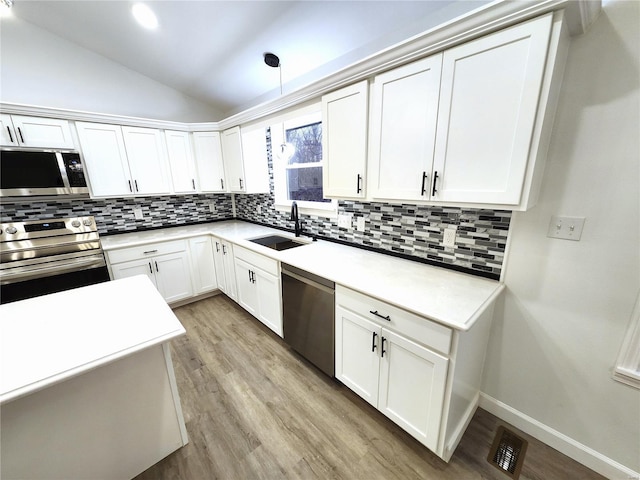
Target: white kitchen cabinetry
{"type": "Point", "coordinates": [24, 131]}
{"type": "Point", "coordinates": [183, 167]}
{"type": "Point", "coordinates": [209, 163]}
{"type": "Point", "coordinates": [245, 160]}
{"type": "Point", "coordinates": [344, 141]}
{"type": "Point", "coordinates": [403, 131]}
{"type": "Point", "coordinates": [259, 289]}
{"type": "Point", "coordinates": [124, 161]}
{"type": "Point", "coordinates": [420, 374]}
{"type": "Point", "coordinates": [166, 264]}
{"type": "Point", "coordinates": [203, 269]}
{"type": "Point", "coordinates": [490, 104]}
{"type": "Point", "coordinates": [225, 267]}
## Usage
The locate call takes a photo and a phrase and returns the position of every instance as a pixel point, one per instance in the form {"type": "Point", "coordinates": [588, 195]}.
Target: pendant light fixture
{"type": "Point", "coordinates": [286, 150]}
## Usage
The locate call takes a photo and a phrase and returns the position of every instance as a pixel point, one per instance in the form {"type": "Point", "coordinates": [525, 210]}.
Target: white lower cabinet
{"type": "Point", "coordinates": [259, 288]}
{"type": "Point", "coordinates": [225, 268]}
{"type": "Point", "coordinates": [423, 376]}
{"type": "Point", "coordinates": [203, 266]}
{"type": "Point", "coordinates": [166, 264]}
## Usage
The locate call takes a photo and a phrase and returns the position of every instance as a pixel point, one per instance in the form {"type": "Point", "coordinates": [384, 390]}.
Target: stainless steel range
{"type": "Point", "coordinates": [47, 256]}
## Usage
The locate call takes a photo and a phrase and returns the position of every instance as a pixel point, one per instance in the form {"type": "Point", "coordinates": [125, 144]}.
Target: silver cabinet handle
{"type": "Point", "coordinates": [150, 251]}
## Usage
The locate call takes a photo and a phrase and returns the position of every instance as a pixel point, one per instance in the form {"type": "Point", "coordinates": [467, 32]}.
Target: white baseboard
{"type": "Point", "coordinates": [580, 453]}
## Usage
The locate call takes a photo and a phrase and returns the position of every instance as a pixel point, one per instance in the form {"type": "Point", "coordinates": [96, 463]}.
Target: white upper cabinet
{"type": "Point", "coordinates": [344, 141]}
{"type": "Point", "coordinates": [105, 159]}
{"type": "Point", "coordinates": [147, 160]}
{"type": "Point", "coordinates": [232, 155]}
{"type": "Point", "coordinates": [489, 99]}
{"type": "Point", "coordinates": [23, 131]}
{"type": "Point", "coordinates": [124, 161]}
{"type": "Point", "coordinates": [403, 131]}
{"type": "Point", "coordinates": [209, 164]}
{"type": "Point", "coordinates": [183, 168]}
{"type": "Point", "coordinates": [245, 160]}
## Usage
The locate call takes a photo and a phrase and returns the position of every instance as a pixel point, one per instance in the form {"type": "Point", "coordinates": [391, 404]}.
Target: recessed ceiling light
{"type": "Point", "coordinates": [5, 8]}
{"type": "Point", "coordinates": [144, 16]}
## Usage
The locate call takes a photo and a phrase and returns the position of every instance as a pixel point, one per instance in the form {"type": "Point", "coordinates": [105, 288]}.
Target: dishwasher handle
{"type": "Point", "coordinates": [330, 288]}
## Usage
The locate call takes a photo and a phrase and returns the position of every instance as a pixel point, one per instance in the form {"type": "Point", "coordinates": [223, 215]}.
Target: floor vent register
{"type": "Point", "coordinates": [507, 452]}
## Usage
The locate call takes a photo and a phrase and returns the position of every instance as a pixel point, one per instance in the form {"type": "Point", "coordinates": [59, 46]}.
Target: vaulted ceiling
{"type": "Point", "coordinates": [213, 50]}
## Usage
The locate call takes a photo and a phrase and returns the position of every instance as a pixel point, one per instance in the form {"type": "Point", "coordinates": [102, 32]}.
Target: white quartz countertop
{"type": "Point", "coordinates": [48, 339]}
{"type": "Point", "coordinates": [446, 296]}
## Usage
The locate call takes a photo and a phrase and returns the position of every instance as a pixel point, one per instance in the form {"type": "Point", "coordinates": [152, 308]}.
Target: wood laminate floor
{"type": "Point", "coordinates": [254, 409]}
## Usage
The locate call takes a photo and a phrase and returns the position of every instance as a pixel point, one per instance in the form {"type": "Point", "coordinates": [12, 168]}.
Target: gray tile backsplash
{"type": "Point", "coordinates": [117, 215]}
{"type": "Point", "coordinates": [411, 231]}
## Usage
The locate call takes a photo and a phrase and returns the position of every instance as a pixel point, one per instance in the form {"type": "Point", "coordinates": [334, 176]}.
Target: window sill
{"type": "Point", "coordinates": [331, 213]}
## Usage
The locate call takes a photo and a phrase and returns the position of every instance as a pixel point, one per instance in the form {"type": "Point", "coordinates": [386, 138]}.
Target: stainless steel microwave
{"type": "Point", "coordinates": [41, 172]}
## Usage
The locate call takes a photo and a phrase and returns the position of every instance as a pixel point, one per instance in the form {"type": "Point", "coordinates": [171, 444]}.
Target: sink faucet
{"type": "Point", "coordinates": [294, 217]}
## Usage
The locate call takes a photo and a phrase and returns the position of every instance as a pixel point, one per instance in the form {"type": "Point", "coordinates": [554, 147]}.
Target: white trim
{"type": "Point", "coordinates": [627, 368]}
{"type": "Point", "coordinates": [555, 439]}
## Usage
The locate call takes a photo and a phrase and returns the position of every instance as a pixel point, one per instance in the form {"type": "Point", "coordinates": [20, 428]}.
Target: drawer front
{"type": "Point", "coordinates": [267, 264]}
{"type": "Point", "coordinates": [410, 325]}
{"type": "Point", "coordinates": [145, 251]}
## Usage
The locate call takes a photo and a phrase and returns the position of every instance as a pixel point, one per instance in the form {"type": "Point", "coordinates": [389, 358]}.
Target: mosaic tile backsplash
{"type": "Point", "coordinates": [117, 216]}
{"type": "Point", "coordinates": [411, 231]}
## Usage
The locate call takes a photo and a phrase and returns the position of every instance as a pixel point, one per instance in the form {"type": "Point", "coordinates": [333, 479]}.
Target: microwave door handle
{"type": "Point", "coordinates": [63, 170]}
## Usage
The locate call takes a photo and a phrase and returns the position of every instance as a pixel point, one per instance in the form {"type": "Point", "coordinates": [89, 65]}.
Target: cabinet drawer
{"type": "Point", "coordinates": [267, 264]}
{"type": "Point", "coordinates": [145, 251]}
{"type": "Point", "coordinates": [413, 326]}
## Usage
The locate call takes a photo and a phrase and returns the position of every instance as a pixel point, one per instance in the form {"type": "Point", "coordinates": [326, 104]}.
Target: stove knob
{"type": "Point", "coordinates": [12, 230]}
{"type": "Point", "coordinates": [75, 223]}
{"type": "Point", "coordinates": [87, 222]}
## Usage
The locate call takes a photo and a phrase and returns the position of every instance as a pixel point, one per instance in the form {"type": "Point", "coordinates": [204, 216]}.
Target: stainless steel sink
{"type": "Point", "coordinates": [277, 242]}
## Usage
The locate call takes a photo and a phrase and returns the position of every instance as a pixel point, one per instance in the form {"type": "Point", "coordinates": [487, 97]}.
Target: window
{"type": "Point", "coordinates": [627, 368]}
{"type": "Point", "coordinates": [298, 173]}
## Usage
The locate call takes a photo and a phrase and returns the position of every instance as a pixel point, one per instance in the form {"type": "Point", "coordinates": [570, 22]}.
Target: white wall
{"type": "Point", "coordinates": [560, 325]}
{"type": "Point", "coordinates": [39, 68]}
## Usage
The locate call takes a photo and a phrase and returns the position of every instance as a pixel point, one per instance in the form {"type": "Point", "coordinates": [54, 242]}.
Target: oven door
{"type": "Point", "coordinates": [56, 276]}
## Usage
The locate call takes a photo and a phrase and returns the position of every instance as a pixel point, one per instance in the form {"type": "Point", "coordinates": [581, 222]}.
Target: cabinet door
{"type": "Point", "coordinates": [405, 110]}
{"type": "Point", "coordinates": [232, 155]}
{"type": "Point", "coordinates": [105, 159]}
{"type": "Point", "coordinates": [488, 103]}
{"type": "Point", "coordinates": [134, 267]}
{"type": "Point", "coordinates": [344, 141]}
{"type": "Point", "coordinates": [412, 385]}
{"type": "Point", "coordinates": [255, 160]}
{"type": "Point", "coordinates": [183, 171]}
{"type": "Point", "coordinates": [173, 276]}
{"type": "Point", "coordinates": [247, 288]}
{"type": "Point", "coordinates": [229, 271]}
{"type": "Point", "coordinates": [269, 300]}
{"type": "Point", "coordinates": [7, 132]}
{"type": "Point", "coordinates": [203, 270]}
{"type": "Point", "coordinates": [357, 361]}
{"type": "Point", "coordinates": [42, 132]}
{"type": "Point", "coordinates": [218, 260]}
{"type": "Point", "coordinates": [208, 153]}
{"type": "Point", "coordinates": [147, 160]}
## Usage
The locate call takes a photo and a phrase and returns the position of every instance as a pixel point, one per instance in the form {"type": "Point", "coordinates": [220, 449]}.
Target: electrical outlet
{"type": "Point", "coordinates": [259, 209]}
{"type": "Point", "coordinates": [344, 220]}
{"type": "Point", "coordinates": [212, 207]}
{"type": "Point", "coordinates": [137, 214]}
{"type": "Point", "coordinates": [567, 228]}
{"type": "Point", "coordinates": [360, 224]}
{"type": "Point", "coordinates": [449, 237]}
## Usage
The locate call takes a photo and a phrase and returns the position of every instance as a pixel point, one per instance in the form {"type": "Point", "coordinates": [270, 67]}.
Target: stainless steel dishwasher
{"type": "Point", "coordinates": [308, 305]}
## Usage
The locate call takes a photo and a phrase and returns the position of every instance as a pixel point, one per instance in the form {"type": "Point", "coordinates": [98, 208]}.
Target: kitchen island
{"type": "Point", "coordinates": [87, 388]}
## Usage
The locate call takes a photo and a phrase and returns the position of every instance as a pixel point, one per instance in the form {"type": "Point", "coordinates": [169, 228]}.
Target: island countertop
{"type": "Point", "coordinates": [48, 339]}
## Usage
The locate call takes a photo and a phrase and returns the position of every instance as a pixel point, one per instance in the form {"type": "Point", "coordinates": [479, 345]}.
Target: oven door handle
{"type": "Point", "coordinates": [20, 274]}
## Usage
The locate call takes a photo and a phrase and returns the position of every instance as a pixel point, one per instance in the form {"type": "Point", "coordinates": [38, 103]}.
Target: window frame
{"type": "Point", "coordinates": [296, 119]}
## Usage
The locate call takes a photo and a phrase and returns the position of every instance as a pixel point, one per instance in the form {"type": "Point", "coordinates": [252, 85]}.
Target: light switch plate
{"type": "Point", "coordinates": [344, 220]}
{"type": "Point", "coordinates": [360, 222]}
{"type": "Point", "coordinates": [137, 214]}
{"type": "Point", "coordinates": [567, 228]}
